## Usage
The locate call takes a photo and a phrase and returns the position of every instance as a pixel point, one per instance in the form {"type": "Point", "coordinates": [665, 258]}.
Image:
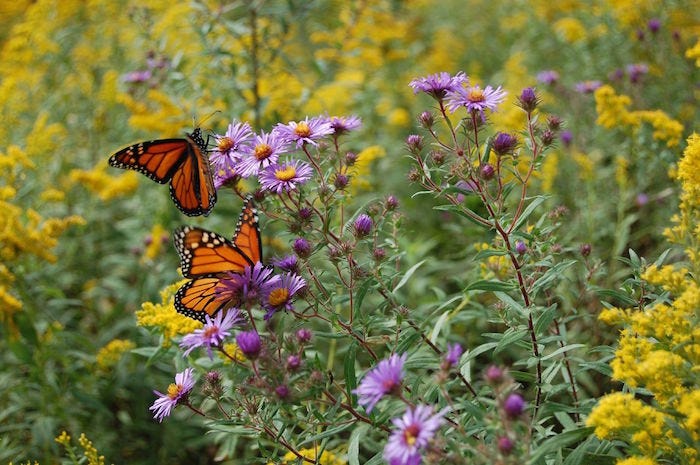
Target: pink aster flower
{"type": "Point", "coordinates": [285, 177]}
{"type": "Point", "coordinates": [177, 394]}
{"type": "Point", "coordinates": [475, 99]}
{"type": "Point", "coordinates": [213, 332]}
{"type": "Point", "coordinates": [439, 85]}
{"type": "Point", "coordinates": [305, 132]}
{"type": "Point", "coordinates": [412, 435]}
{"type": "Point", "coordinates": [265, 151]}
{"type": "Point", "coordinates": [383, 379]}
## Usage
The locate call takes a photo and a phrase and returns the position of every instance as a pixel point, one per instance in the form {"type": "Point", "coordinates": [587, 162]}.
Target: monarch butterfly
{"type": "Point", "coordinates": [182, 162]}
{"type": "Point", "coordinates": [207, 257]}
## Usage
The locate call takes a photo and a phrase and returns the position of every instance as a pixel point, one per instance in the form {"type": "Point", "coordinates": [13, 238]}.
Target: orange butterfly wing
{"type": "Point", "coordinates": [206, 257]}
{"type": "Point", "coordinates": [247, 235]}
{"type": "Point", "coordinates": [182, 162]}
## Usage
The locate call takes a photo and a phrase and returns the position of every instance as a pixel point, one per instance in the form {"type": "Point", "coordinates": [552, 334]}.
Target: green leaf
{"type": "Point", "coordinates": [471, 216]}
{"type": "Point", "coordinates": [545, 318]}
{"type": "Point", "coordinates": [561, 350]}
{"type": "Point", "coordinates": [438, 326]}
{"type": "Point", "coordinates": [511, 336]}
{"type": "Point", "coordinates": [551, 275]}
{"type": "Point", "coordinates": [489, 285]}
{"type": "Point", "coordinates": [536, 202]}
{"type": "Point", "coordinates": [408, 275]}
{"type": "Point", "coordinates": [557, 443]}
{"type": "Point", "coordinates": [354, 444]}
{"type": "Point", "coordinates": [349, 367]}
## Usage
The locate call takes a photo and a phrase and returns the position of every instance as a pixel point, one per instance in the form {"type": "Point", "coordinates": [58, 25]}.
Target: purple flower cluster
{"type": "Point", "coordinates": [258, 285]}
{"type": "Point", "coordinates": [242, 153]}
{"type": "Point", "coordinates": [459, 93]}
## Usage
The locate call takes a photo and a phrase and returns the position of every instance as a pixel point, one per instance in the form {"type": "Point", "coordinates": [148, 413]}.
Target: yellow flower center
{"type": "Point", "coordinates": [262, 151]}
{"type": "Point", "coordinates": [279, 296]}
{"type": "Point", "coordinates": [303, 129]}
{"type": "Point", "coordinates": [476, 95]}
{"type": "Point", "coordinates": [174, 390]}
{"type": "Point", "coordinates": [410, 434]}
{"type": "Point", "coordinates": [286, 174]}
{"type": "Point", "coordinates": [225, 144]}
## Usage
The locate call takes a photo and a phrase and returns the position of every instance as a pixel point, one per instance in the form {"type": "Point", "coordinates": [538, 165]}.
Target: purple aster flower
{"type": "Point", "coordinates": [475, 99]}
{"type": "Point", "coordinates": [505, 445]}
{"type": "Point", "coordinates": [341, 181]}
{"type": "Point", "coordinates": [494, 374]}
{"type": "Point", "coordinates": [343, 124]}
{"type": "Point", "coordinates": [636, 71]}
{"type": "Point", "coordinates": [137, 77]}
{"type": "Point", "coordinates": [587, 87]}
{"type": "Point", "coordinates": [229, 149]}
{"type": "Point", "coordinates": [282, 391]}
{"type": "Point", "coordinates": [284, 177]}
{"type": "Point", "coordinates": [514, 405]}
{"type": "Point", "coordinates": [385, 378]}
{"type": "Point", "coordinates": [548, 77]}
{"type": "Point", "coordinates": [248, 286]}
{"type": "Point", "coordinates": [287, 263]}
{"type": "Point", "coordinates": [249, 343]}
{"type": "Point", "coordinates": [641, 199]}
{"type": "Point", "coordinates": [439, 85]}
{"type": "Point", "coordinates": [278, 296]}
{"type": "Point", "coordinates": [412, 434]}
{"type": "Point", "coordinates": [177, 393]}
{"type": "Point", "coordinates": [305, 132]}
{"type": "Point", "coordinates": [266, 149]}
{"type": "Point", "coordinates": [362, 225]}
{"type": "Point", "coordinates": [213, 332]}
{"type": "Point", "coordinates": [520, 247]}
{"type": "Point", "coordinates": [454, 352]}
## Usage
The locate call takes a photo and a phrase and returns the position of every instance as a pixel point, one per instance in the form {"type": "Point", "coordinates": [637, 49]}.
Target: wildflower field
{"type": "Point", "coordinates": [350, 232]}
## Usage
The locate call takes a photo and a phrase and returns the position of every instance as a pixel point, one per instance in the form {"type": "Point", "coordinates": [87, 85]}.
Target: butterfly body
{"type": "Point", "coordinates": [181, 162]}
{"type": "Point", "coordinates": [207, 258]}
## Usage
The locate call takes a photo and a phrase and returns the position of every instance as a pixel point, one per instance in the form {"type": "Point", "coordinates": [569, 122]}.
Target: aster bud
{"type": "Point", "coordinates": [438, 157]}
{"type": "Point", "coordinates": [505, 445]}
{"type": "Point", "coordinates": [585, 249]}
{"type": "Point", "coordinates": [282, 391]}
{"type": "Point", "coordinates": [302, 247]}
{"type": "Point", "coordinates": [487, 171]}
{"type": "Point", "coordinates": [304, 213]}
{"type": "Point", "coordinates": [334, 253]}
{"type": "Point", "coordinates": [293, 362]}
{"type": "Point", "coordinates": [494, 375]}
{"type": "Point", "coordinates": [362, 225]}
{"type": "Point", "coordinates": [640, 35]}
{"type": "Point", "coordinates": [413, 175]}
{"type": "Point", "coordinates": [249, 343]}
{"type": "Point", "coordinates": [554, 122]}
{"type": "Point", "coordinates": [426, 119]}
{"type": "Point", "coordinates": [528, 99]}
{"type": "Point", "coordinates": [391, 203]}
{"type": "Point", "coordinates": [341, 181]}
{"type": "Point", "coordinates": [566, 138]}
{"type": "Point", "coordinates": [258, 195]}
{"type": "Point", "coordinates": [303, 335]}
{"type": "Point", "coordinates": [504, 143]}
{"type": "Point", "coordinates": [547, 137]}
{"type": "Point", "coordinates": [212, 384]}
{"type": "Point", "coordinates": [350, 158]}
{"type": "Point", "coordinates": [514, 405]}
{"type": "Point", "coordinates": [414, 143]}
{"type": "Point", "coordinates": [654, 24]}
{"type": "Point", "coordinates": [520, 247]}
{"type": "Point", "coordinates": [379, 254]}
